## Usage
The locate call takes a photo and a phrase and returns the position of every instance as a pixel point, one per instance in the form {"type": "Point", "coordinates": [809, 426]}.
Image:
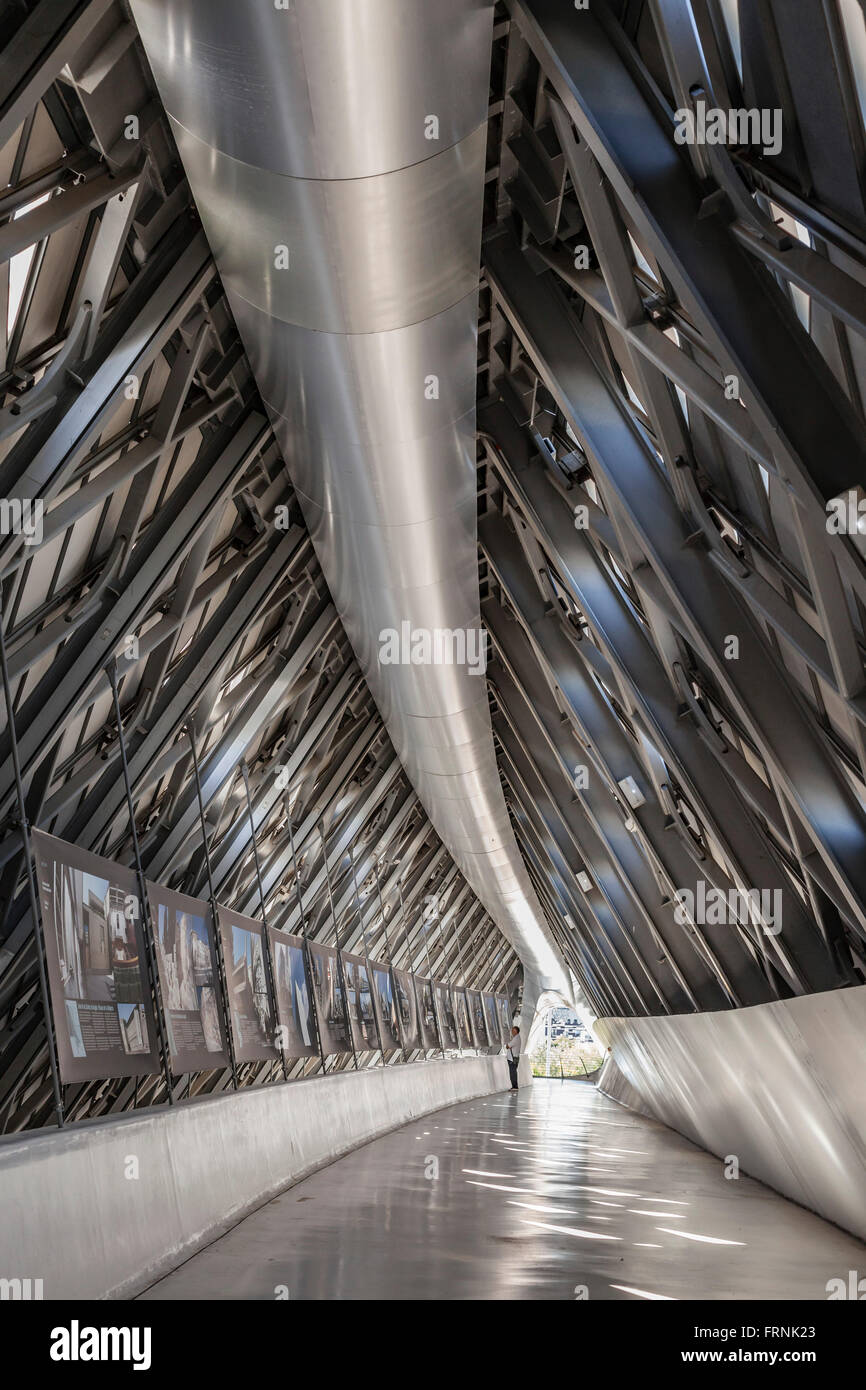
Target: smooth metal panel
{"type": "Point", "coordinates": [417, 563]}
{"type": "Point", "coordinates": [300, 372]}
{"type": "Point", "coordinates": [365, 254]}
{"type": "Point", "coordinates": [307, 131]}
{"type": "Point", "coordinates": [780, 1086]}
{"type": "Point", "coordinates": [327, 89]}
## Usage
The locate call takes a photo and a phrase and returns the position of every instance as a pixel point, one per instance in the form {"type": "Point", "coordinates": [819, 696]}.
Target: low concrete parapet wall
{"type": "Point", "coordinates": [104, 1208]}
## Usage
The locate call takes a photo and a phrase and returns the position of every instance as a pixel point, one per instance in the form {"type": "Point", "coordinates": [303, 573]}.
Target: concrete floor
{"type": "Point", "coordinates": [556, 1193]}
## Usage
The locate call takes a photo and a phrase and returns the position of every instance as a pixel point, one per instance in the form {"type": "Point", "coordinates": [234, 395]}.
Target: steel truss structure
{"type": "Point", "coordinates": [150, 531]}
{"type": "Point", "coordinates": [672, 380]}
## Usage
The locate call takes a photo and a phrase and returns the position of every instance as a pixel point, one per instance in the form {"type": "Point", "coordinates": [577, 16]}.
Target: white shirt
{"type": "Point", "coordinates": [513, 1045]}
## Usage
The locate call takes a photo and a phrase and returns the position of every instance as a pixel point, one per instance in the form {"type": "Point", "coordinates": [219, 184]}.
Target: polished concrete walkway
{"type": "Point", "coordinates": [555, 1193]}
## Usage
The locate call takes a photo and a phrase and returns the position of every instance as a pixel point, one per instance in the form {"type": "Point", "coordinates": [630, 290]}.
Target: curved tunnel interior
{"type": "Point", "coordinates": [433, 623]}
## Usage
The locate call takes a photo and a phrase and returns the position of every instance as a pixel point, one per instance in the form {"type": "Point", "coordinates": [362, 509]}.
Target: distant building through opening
{"type": "Point", "coordinates": [566, 1047]}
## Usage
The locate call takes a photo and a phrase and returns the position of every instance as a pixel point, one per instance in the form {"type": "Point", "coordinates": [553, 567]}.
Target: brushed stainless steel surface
{"type": "Point", "coordinates": [322, 427]}
{"type": "Point", "coordinates": [307, 129]}
{"type": "Point", "coordinates": [779, 1085]}
{"type": "Point", "coordinates": [536, 1194]}
{"type": "Point", "coordinates": [326, 89]}
{"type": "Point", "coordinates": [365, 254]}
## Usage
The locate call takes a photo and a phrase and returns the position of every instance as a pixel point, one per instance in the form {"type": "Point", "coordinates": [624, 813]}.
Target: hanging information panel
{"type": "Point", "coordinates": [97, 969]}
{"type": "Point", "coordinates": [407, 1010]}
{"type": "Point", "coordinates": [503, 1011]}
{"type": "Point", "coordinates": [297, 1034]}
{"type": "Point", "coordinates": [360, 996]}
{"type": "Point", "coordinates": [476, 1014]}
{"type": "Point", "coordinates": [329, 1000]}
{"type": "Point", "coordinates": [188, 980]}
{"type": "Point", "coordinates": [427, 1014]}
{"type": "Point", "coordinates": [252, 1016]}
{"type": "Point", "coordinates": [492, 1021]}
{"type": "Point", "coordinates": [385, 1004]}
{"type": "Point", "coordinates": [447, 1022]}
{"type": "Point", "coordinates": [464, 1027]}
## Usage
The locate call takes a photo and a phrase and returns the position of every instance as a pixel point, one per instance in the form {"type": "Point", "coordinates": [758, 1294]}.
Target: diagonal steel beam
{"type": "Point", "coordinates": [50, 35]}
{"type": "Point", "coordinates": [706, 608]}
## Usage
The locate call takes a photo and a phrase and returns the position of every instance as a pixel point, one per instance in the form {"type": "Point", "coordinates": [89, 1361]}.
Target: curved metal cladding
{"type": "Point", "coordinates": [763, 1083]}
{"type": "Point", "coordinates": [336, 151]}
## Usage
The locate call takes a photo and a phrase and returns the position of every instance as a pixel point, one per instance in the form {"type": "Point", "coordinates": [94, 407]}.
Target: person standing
{"type": "Point", "coordinates": [513, 1049]}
